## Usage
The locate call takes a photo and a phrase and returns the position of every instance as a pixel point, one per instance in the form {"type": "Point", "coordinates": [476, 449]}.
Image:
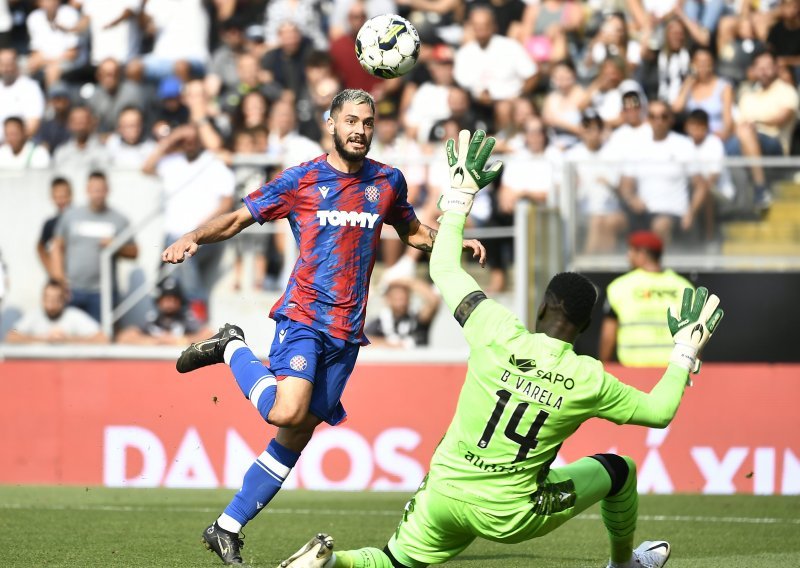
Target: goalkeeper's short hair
{"type": "Point", "coordinates": [574, 294]}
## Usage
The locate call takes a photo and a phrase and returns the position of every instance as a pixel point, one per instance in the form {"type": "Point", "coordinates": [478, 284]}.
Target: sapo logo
{"type": "Point", "coordinates": [342, 218]}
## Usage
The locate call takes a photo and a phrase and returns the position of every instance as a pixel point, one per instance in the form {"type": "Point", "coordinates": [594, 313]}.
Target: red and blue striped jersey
{"type": "Point", "coordinates": [336, 219]}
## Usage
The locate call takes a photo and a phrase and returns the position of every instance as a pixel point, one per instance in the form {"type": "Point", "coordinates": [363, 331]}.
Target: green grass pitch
{"type": "Point", "coordinates": [93, 527]}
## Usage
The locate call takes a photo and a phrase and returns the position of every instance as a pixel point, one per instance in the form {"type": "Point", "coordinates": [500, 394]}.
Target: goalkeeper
{"type": "Point", "coordinates": [524, 395]}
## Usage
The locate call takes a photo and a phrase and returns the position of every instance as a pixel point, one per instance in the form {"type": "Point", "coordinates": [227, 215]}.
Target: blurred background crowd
{"type": "Point", "coordinates": [646, 98]}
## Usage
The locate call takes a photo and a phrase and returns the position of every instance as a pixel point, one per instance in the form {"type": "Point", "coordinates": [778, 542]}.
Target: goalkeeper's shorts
{"type": "Point", "coordinates": [436, 527]}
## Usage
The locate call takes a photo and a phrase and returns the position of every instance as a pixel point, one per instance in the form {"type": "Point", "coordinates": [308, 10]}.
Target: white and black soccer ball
{"type": "Point", "coordinates": [387, 46]}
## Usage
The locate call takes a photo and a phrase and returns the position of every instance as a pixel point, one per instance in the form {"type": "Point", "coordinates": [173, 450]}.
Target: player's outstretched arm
{"type": "Point", "coordinates": [699, 317]}
{"type": "Point", "coordinates": [219, 228]}
{"type": "Point", "coordinates": [467, 176]}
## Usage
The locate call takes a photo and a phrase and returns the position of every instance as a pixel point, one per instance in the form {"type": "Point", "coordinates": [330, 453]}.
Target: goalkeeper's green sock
{"type": "Point", "coordinates": [361, 558]}
{"type": "Point", "coordinates": [619, 514]}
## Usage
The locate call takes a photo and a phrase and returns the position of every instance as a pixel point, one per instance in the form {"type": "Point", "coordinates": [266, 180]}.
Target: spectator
{"type": "Point", "coordinates": [112, 94]}
{"type": "Point", "coordinates": [672, 61]}
{"type": "Point", "coordinates": [286, 62]}
{"type": "Point", "coordinates": [222, 75]}
{"type": "Point", "coordinates": [429, 102]}
{"type": "Point", "coordinates": [737, 44]}
{"type": "Point", "coordinates": [766, 120]}
{"type": "Point", "coordinates": [205, 115]}
{"type": "Point", "coordinates": [170, 109]}
{"type": "Point", "coordinates": [704, 15]}
{"type": "Point", "coordinates": [710, 156]}
{"type": "Point", "coordinates": [342, 48]}
{"type": "Point", "coordinates": [302, 13]}
{"type": "Point", "coordinates": [784, 37]}
{"type": "Point", "coordinates": [656, 182]}
{"type": "Point", "coordinates": [252, 112]}
{"type": "Point", "coordinates": [254, 42]}
{"type": "Point", "coordinates": [597, 179]}
{"type": "Point", "coordinates": [113, 28]}
{"type": "Point", "coordinates": [340, 23]}
{"type": "Point", "coordinates": [53, 131]}
{"type": "Point", "coordinates": [605, 92]}
{"type": "Point", "coordinates": [635, 305]}
{"type": "Point", "coordinates": [197, 187]}
{"type": "Point", "coordinates": [611, 40]}
{"type": "Point", "coordinates": [398, 323]}
{"type": "Point", "coordinates": [321, 85]}
{"type": "Point", "coordinates": [251, 78]}
{"type": "Point", "coordinates": [61, 194]}
{"type": "Point", "coordinates": [561, 111]}
{"type": "Point", "coordinates": [508, 14]}
{"type": "Point", "coordinates": [83, 151]}
{"type": "Point", "coordinates": [55, 47]}
{"type": "Point", "coordinates": [56, 322]}
{"type": "Point", "coordinates": [128, 147]}
{"type": "Point", "coordinates": [633, 126]}
{"type": "Point", "coordinates": [512, 136]}
{"type": "Point", "coordinates": [703, 89]}
{"type": "Point", "coordinates": [180, 30]}
{"type": "Point", "coordinates": [545, 26]}
{"type": "Point", "coordinates": [81, 234]}
{"type": "Point", "coordinates": [284, 142]}
{"type": "Point", "coordinates": [19, 95]}
{"type": "Point", "coordinates": [461, 111]}
{"type": "Point", "coordinates": [492, 67]}
{"type": "Point", "coordinates": [18, 152]}
{"type": "Point", "coordinates": [170, 323]}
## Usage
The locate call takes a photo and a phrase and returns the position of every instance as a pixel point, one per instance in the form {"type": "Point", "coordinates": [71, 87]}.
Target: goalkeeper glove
{"type": "Point", "coordinates": [694, 328]}
{"type": "Point", "coordinates": [467, 173]}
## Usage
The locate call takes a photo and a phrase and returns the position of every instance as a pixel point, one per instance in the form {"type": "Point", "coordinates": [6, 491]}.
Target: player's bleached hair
{"type": "Point", "coordinates": [355, 96]}
{"type": "Point", "coordinates": [573, 294]}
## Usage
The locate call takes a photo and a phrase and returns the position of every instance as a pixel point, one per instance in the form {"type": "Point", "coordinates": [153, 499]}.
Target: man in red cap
{"type": "Point", "coordinates": [635, 306]}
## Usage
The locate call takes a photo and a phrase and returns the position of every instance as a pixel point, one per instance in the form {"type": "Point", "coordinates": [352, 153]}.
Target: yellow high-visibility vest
{"type": "Point", "coordinates": [640, 299]}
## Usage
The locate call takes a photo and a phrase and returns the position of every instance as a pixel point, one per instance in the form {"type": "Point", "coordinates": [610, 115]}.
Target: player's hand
{"type": "Point", "coordinates": [468, 173]}
{"type": "Point", "coordinates": [477, 248]}
{"type": "Point", "coordinates": [180, 250]}
{"type": "Point", "coordinates": [698, 321]}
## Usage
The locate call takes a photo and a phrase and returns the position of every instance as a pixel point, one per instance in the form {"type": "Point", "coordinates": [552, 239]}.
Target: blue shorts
{"type": "Point", "coordinates": [299, 350]}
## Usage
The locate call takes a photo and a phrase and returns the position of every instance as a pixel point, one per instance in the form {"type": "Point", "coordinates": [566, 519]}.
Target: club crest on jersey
{"type": "Point", "coordinates": [298, 363]}
{"type": "Point", "coordinates": [372, 193]}
{"type": "Point", "coordinates": [343, 218]}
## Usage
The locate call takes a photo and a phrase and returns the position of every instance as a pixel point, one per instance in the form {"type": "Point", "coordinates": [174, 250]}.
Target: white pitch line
{"type": "Point", "coordinates": [376, 512]}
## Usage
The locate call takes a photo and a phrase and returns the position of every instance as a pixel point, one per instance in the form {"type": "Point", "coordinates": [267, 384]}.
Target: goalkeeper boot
{"type": "Point", "coordinates": [315, 554]}
{"type": "Point", "coordinates": [226, 545]}
{"type": "Point", "coordinates": [651, 554]}
{"type": "Point", "coordinates": [209, 351]}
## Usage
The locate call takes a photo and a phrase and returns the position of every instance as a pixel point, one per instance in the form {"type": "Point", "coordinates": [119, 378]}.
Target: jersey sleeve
{"type": "Point", "coordinates": [274, 199]}
{"type": "Point", "coordinates": [401, 212]}
{"type": "Point", "coordinates": [616, 400]}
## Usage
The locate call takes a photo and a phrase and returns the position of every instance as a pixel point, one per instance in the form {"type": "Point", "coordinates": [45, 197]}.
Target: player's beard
{"type": "Point", "coordinates": [346, 154]}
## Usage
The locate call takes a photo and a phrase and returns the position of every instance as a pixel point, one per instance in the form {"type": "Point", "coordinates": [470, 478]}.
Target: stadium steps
{"type": "Point", "coordinates": [777, 234]}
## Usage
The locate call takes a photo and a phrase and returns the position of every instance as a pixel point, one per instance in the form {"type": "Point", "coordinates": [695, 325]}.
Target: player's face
{"type": "Point", "coordinates": [352, 131]}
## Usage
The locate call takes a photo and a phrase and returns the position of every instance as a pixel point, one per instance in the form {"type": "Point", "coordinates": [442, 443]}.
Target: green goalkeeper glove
{"type": "Point", "coordinates": [467, 170]}
{"type": "Point", "coordinates": [694, 328]}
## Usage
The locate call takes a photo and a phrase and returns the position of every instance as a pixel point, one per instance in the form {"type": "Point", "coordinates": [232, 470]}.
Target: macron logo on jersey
{"type": "Point", "coordinates": [342, 218]}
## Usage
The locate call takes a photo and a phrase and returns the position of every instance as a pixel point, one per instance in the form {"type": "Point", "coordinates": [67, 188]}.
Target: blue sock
{"type": "Point", "coordinates": [256, 381]}
{"type": "Point", "coordinates": [261, 483]}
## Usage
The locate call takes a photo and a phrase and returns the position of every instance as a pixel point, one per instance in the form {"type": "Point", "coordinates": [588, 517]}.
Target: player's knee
{"type": "Point", "coordinates": [619, 469]}
{"type": "Point", "coordinates": [286, 416]}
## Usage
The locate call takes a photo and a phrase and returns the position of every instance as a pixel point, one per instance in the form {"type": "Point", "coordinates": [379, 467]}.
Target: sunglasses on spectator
{"type": "Point", "coordinates": [659, 116]}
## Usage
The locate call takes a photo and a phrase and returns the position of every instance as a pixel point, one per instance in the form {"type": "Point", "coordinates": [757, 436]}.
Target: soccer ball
{"type": "Point", "coordinates": [387, 46]}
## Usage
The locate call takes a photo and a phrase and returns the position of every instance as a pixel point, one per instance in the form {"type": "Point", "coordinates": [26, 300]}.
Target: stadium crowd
{"type": "Point", "coordinates": [178, 87]}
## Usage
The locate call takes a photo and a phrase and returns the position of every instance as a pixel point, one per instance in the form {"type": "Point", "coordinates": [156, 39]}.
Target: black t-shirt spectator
{"type": "Point", "coordinates": [48, 230]}
{"type": "Point", "coordinates": [408, 329]}
{"type": "Point", "coordinates": [784, 42]}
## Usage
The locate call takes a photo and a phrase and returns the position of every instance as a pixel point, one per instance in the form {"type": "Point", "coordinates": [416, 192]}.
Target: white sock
{"type": "Point", "coordinates": [231, 348]}
{"type": "Point", "coordinates": [228, 523]}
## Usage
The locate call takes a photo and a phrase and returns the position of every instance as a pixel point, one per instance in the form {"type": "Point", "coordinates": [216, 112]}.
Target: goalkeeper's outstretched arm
{"type": "Point", "coordinates": [446, 271]}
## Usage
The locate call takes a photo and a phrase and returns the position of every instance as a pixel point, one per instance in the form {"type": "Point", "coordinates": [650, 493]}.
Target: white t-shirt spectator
{"type": "Point", "coordinates": [119, 42]}
{"type": "Point", "coordinates": [52, 41]}
{"type": "Point", "coordinates": [710, 156]}
{"type": "Point", "coordinates": [502, 68]}
{"type": "Point", "coordinates": [32, 156]}
{"type": "Point", "coordinates": [192, 190]}
{"type": "Point", "coordinates": [608, 104]}
{"type": "Point", "coordinates": [625, 137]}
{"type": "Point", "coordinates": [596, 178]}
{"type": "Point", "coordinates": [662, 170]}
{"type": "Point", "coordinates": [428, 105]}
{"type": "Point", "coordinates": [23, 98]}
{"type": "Point", "coordinates": [181, 29]}
{"type": "Point", "coordinates": [127, 156]}
{"type": "Point", "coordinates": [72, 322]}
{"type": "Point", "coordinates": [526, 172]}
{"type": "Point", "coordinates": [292, 149]}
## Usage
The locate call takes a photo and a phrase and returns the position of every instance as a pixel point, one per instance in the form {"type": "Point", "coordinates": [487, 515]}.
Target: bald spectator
{"type": "Point", "coordinates": [19, 95]}
{"type": "Point", "coordinates": [84, 151]}
{"type": "Point", "coordinates": [56, 322]}
{"type": "Point", "coordinates": [492, 67]}
{"type": "Point", "coordinates": [18, 152]}
{"type": "Point", "coordinates": [112, 94]}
